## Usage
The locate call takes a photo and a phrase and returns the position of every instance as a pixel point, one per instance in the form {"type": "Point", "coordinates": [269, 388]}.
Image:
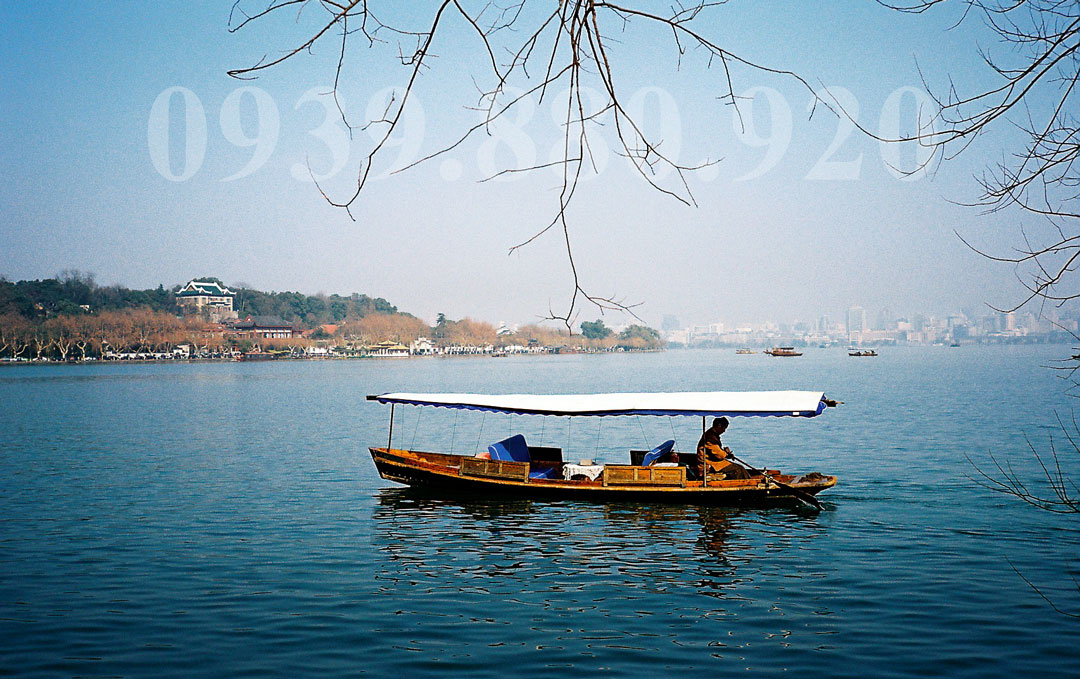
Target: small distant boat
{"type": "Point", "coordinates": [745, 351]}
{"type": "Point", "coordinates": [783, 351]}
{"type": "Point", "coordinates": [498, 354]}
{"type": "Point", "coordinates": [864, 352]}
{"type": "Point", "coordinates": [258, 356]}
{"type": "Point", "coordinates": [955, 344]}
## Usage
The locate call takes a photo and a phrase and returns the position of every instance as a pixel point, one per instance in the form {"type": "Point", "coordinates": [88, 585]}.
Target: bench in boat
{"type": "Point", "coordinates": [633, 475]}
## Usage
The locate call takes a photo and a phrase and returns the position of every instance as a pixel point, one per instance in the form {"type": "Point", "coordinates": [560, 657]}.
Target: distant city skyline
{"type": "Point", "coordinates": [888, 329]}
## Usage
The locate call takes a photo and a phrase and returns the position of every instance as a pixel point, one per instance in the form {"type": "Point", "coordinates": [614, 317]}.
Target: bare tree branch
{"type": "Point", "coordinates": [1037, 67]}
{"type": "Point", "coordinates": [572, 40]}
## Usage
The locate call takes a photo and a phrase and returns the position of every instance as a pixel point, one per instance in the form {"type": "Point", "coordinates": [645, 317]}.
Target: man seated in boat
{"type": "Point", "coordinates": [712, 455]}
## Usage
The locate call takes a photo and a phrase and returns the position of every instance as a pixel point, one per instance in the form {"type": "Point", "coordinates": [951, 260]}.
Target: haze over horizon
{"type": "Point", "coordinates": [823, 226]}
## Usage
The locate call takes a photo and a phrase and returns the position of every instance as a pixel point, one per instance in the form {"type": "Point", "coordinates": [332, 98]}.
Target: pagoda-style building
{"type": "Point", "coordinates": [210, 296]}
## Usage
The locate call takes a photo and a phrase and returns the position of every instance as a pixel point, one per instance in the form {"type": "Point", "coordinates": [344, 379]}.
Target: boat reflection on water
{"type": "Point", "coordinates": [559, 546]}
{"type": "Point", "coordinates": [397, 503]}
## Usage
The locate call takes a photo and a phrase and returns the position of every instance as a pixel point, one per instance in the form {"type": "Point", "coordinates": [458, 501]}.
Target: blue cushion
{"type": "Point", "coordinates": [516, 450]}
{"type": "Point", "coordinates": [657, 453]}
{"type": "Point", "coordinates": [511, 449]}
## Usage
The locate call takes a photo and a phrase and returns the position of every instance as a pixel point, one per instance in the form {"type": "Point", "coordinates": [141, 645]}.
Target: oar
{"type": "Point", "coordinates": [801, 495]}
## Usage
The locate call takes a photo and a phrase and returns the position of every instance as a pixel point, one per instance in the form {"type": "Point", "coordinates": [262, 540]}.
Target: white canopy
{"type": "Point", "coordinates": [703, 403]}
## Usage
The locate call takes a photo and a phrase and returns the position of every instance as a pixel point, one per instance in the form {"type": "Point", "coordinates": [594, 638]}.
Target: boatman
{"type": "Point", "coordinates": [712, 455]}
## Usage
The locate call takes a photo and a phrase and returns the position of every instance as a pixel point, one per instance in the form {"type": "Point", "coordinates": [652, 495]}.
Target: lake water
{"type": "Point", "coordinates": [226, 520]}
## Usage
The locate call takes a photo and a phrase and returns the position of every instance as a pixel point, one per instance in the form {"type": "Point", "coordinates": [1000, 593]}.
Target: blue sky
{"type": "Point", "coordinates": [81, 189]}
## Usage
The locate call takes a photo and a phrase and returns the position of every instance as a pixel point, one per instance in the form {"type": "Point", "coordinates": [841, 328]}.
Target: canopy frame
{"type": "Point", "coordinates": [700, 404]}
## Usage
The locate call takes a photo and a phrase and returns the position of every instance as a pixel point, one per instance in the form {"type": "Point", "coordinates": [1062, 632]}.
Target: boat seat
{"type": "Point", "coordinates": [511, 449]}
{"type": "Point", "coordinates": [657, 453]}
{"type": "Point", "coordinates": [515, 449]}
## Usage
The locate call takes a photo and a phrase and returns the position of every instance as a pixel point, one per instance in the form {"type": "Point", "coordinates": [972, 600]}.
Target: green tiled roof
{"type": "Point", "coordinates": [204, 288]}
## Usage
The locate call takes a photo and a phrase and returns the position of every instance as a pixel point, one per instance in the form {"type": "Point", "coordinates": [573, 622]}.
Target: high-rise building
{"type": "Point", "coordinates": [954, 320]}
{"type": "Point", "coordinates": [884, 319]}
{"type": "Point", "coordinates": [856, 320]}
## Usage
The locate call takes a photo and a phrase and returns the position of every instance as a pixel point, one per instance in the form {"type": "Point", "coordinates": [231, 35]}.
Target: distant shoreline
{"type": "Point", "coordinates": [155, 361]}
{"type": "Point", "coordinates": [7, 362]}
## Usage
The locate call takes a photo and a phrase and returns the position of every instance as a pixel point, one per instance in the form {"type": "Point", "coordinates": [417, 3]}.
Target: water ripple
{"type": "Point", "coordinates": [249, 536]}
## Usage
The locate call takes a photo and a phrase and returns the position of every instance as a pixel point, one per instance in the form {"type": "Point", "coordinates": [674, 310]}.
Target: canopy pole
{"type": "Point", "coordinates": [481, 433]}
{"type": "Point", "coordinates": [644, 438]}
{"type": "Point", "coordinates": [390, 437]}
{"type": "Point", "coordinates": [412, 443]}
{"type": "Point", "coordinates": [703, 461]}
{"type": "Point", "coordinates": [453, 432]}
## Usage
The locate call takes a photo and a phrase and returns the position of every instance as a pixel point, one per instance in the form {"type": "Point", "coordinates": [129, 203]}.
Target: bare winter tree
{"type": "Point", "coordinates": [530, 47]}
{"type": "Point", "coordinates": [1034, 100]}
{"type": "Point", "coordinates": [14, 335]}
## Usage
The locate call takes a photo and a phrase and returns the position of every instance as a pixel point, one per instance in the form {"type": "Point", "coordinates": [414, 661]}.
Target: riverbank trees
{"type": "Point", "coordinates": [380, 327]}
{"type": "Point", "coordinates": [56, 319]}
{"type": "Point", "coordinates": [82, 336]}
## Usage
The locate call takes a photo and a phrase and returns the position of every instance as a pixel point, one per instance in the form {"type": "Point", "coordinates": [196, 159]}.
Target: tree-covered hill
{"type": "Point", "coordinates": [70, 292]}
{"type": "Point", "coordinates": [308, 310]}
{"type": "Point", "coordinates": [73, 293]}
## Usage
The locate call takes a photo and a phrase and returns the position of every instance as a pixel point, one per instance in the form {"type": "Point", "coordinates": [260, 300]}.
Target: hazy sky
{"type": "Point", "coordinates": [784, 229]}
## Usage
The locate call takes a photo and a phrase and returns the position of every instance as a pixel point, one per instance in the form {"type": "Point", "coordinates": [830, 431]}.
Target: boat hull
{"type": "Point", "coordinates": [434, 471]}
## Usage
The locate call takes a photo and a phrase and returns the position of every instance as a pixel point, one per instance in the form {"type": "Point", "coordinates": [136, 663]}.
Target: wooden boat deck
{"type": "Point", "coordinates": [619, 482]}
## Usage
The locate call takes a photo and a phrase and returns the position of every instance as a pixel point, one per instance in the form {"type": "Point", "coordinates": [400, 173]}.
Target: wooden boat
{"type": "Point", "coordinates": [864, 352]}
{"type": "Point", "coordinates": [512, 468]}
{"type": "Point", "coordinates": [783, 351]}
{"type": "Point", "coordinates": [258, 356]}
